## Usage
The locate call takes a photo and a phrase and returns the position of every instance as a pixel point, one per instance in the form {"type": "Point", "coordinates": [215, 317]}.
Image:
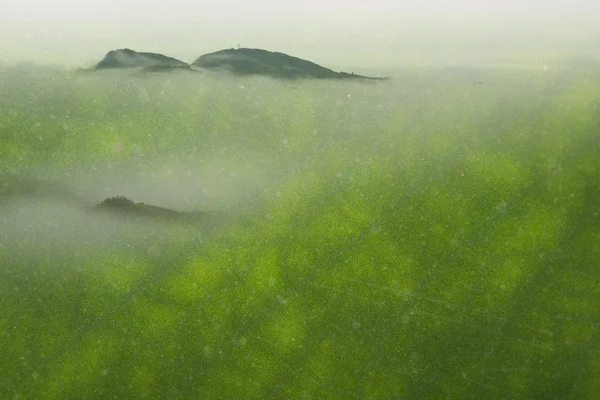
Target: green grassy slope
{"type": "Point", "coordinates": [427, 237]}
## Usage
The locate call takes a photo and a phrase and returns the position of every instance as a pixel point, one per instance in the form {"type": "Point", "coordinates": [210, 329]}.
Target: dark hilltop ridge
{"type": "Point", "coordinates": [128, 208]}
{"type": "Point", "coordinates": [127, 58]}
{"type": "Point", "coordinates": [15, 188]}
{"type": "Point", "coordinates": [241, 61]}
{"type": "Point", "coordinates": [246, 61]}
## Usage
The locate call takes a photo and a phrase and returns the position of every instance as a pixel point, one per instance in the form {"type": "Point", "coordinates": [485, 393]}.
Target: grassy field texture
{"type": "Point", "coordinates": [433, 236]}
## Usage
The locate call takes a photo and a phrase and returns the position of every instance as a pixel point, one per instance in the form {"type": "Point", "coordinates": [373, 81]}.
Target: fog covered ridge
{"type": "Point", "coordinates": [125, 207]}
{"type": "Point", "coordinates": [244, 61]}
{"type": "Point", "coordinates": [21, 189]}
{"type": "Point", "coordinates": [130, 58]}
{"type": "Point", "coordinates": [240, 61]}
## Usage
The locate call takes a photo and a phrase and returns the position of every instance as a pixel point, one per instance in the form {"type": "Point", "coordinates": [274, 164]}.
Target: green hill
{"type": "Point", "coordinates": [128, 208]}
{"type": "Point", "coordinates": [127, 58]}
{"type": "Point", "coordinates": [246, 61]}
{"type": "Point", "coordinates": [242, 61]}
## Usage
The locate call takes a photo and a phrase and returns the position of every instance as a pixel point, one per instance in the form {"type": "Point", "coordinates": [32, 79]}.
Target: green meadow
{"type": "Point", "coordinates": [433, 236]}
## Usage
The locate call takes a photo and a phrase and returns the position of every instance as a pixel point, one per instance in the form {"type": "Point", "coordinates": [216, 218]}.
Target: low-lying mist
{"type": "Point", "coordinates": [215, 142]}
{"type": "Point", "coordinates": [185, 141]}
{"type": "Point", "coordinates": [222, 144]}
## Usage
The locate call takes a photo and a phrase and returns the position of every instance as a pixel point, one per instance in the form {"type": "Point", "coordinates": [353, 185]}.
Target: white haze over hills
{"type": "Point", "coordinates": [338, 34]}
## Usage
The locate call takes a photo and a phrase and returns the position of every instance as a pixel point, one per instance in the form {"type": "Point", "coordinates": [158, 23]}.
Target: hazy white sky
{"type": "Point", "coordinates": [93, 9]}
{"type": "Point", "coordinates": [80, 32]}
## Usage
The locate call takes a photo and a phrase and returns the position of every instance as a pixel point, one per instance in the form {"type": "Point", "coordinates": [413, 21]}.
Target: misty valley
{"type": "Point", "coordinates": [222, 235]}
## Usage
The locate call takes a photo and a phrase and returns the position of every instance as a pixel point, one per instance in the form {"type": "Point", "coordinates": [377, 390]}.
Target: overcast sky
{"type": "Point", "coordinates": [81, 32]}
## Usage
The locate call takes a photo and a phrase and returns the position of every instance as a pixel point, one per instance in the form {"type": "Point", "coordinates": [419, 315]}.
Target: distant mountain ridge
{"type": "Point", "coordinates": [127, 58]}
{"type": "Point", "coordinates": [120, 205]}
{"type": "Point", "coordinates": [245, 61]}
{"type": "Point", "coordinates": [241, 61]}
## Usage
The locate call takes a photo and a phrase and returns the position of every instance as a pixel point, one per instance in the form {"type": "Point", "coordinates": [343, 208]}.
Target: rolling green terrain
{"type": "Point", "coordinates": [432, 236]}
